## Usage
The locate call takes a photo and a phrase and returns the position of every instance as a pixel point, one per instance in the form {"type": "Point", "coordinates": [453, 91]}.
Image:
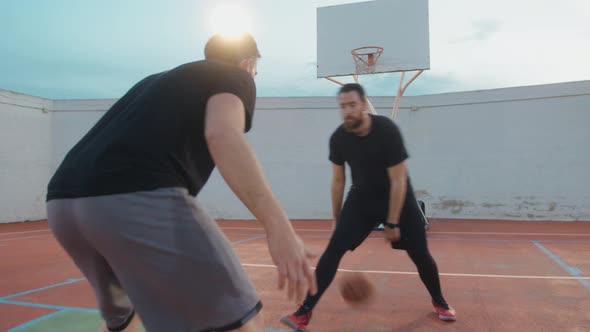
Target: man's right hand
{"type": "Point", "coordinates": [293, 262]}
{"type": "Point", "coordinates": [237, 163]}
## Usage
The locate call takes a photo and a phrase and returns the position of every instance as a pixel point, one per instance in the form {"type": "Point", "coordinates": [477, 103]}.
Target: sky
{"type": "Point", "coordinates": [72, 49]}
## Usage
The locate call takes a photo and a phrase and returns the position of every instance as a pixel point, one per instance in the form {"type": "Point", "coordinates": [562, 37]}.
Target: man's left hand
{"type": "Point", "coordinates": [392, 234]}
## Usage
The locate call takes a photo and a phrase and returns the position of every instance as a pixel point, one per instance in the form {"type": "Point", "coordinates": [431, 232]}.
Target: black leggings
{"type": "Point", "coordinates": [354, 227]}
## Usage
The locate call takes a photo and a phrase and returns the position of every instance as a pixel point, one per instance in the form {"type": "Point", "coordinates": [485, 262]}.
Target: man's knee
{"type": "Point", "coordinates": [419, 253]}
{"type": "Point", "coordinates": [337, 247]}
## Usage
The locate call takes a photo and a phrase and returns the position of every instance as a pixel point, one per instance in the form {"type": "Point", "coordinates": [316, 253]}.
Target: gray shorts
{"type": "Point", "coordinates": [157, 253]}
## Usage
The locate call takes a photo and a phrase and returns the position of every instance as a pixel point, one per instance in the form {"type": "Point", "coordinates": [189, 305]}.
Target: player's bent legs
{"type": "Point", "coordinates": [114, 304]}
{"type": "Point", "coordinates": [352, 229]}
{"type": "Point", "coordinates": [326, 270]}
{"type": "Point", "coordinates": [428, 271]}
{"type": "Point", "coordinates": [171, 258]}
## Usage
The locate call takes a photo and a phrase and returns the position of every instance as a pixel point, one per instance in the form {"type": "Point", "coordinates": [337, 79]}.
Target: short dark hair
{"type": "Point", "coordinates": [231, 50]}
{"type": "Point", "coordinates": [353, 87]}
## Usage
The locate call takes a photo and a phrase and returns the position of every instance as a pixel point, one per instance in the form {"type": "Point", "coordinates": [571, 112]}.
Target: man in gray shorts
{"type": "Point", "coordinates": [122, 202]}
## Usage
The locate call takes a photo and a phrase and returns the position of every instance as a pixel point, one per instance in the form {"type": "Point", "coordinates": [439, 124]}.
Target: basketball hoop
{"type": "Point", "coordinates": [365, 58]}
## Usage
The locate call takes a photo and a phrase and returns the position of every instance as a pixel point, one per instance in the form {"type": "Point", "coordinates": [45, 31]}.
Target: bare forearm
{"type": "Point", "coordinates": [337, 196]}
{"type": "Point", "coordinates": [397, 195]}
{"type": "Point", "coordinates": [238, 165]}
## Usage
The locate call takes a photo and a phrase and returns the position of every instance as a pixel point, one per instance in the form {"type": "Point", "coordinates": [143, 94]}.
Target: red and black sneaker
{"type": "Point", "coordinates": [446, 314]}
{"type": "Point", "coordinates": [297, 320]}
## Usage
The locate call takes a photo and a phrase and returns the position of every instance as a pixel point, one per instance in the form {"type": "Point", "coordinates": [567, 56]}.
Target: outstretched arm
{"type": "Point", "coordinates": [238, 165]}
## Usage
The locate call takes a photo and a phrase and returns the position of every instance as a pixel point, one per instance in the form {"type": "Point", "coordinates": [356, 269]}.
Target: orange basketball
{"type": "Point", "coordinates": [356, 290]}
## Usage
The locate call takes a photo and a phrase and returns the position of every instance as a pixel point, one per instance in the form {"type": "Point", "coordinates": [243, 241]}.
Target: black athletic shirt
{"type": "Point", "coordinates": [369, 156]}
{"type": "Point", "coordinates": [153, 137]}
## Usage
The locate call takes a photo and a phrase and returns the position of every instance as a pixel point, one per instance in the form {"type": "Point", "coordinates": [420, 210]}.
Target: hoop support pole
{"type": "Point", "coordinates": [400, 91]}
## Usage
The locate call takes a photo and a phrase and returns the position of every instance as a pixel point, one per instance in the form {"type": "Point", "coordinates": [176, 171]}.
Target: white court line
{"type": "Point", "coordinates": [25, 232]}
{"type": "Point", "coordinates": [325, 230]}
{"type": "Point", "coordinates": [23, 238]}
{"type": "Point", "coordinates": [432, 232]}
{"type": "Point", "coordinates": [329, 230]}
{"type": "Point", "coordinates": [446, 274]}
{"type": "Point", "coordinates": [256, 236]}
{"type": "Point", "coordinates": [514, 233]}
{"type": "Point", "coordinates": [260, 228]}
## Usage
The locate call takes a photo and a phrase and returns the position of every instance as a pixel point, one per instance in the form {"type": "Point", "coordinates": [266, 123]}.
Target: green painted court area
{"type": "Point", "coordinates": [73, 321]}
{"type": "Point", "coordinates": [62, 321]}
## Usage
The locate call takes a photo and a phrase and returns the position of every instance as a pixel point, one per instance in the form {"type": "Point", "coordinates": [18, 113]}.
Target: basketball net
{"type": "Point", "coordinates": [366, 61]}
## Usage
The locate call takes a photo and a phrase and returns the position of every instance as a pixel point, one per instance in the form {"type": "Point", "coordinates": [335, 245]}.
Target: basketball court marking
{"type": "Point", "coordinates": [474, 275]}
{"type": "Point", "coordinates": [25, 232]}
{"type": "Point", "coordinates": [430, 232]}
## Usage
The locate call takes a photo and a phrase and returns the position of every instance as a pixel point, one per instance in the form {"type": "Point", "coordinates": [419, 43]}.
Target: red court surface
{"type": "Point", "coordinates": [499, 276]}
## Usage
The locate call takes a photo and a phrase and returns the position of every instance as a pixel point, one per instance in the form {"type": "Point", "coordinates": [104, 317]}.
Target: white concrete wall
{"type": "Point", "coordinates": [514, 153]}
{"type": "Point", "coordinates": [509, 153]}
{"type": "Point", "coordinates": [25, 152]}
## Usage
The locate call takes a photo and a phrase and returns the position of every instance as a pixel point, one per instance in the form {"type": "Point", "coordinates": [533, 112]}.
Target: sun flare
{"type": "Point", "coordinates": [230, 19]}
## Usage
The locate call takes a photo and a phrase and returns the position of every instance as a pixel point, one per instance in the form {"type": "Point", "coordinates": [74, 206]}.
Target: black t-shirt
{"type": "Point", "coordinates": [153, 136]}
{"type": "Point", "coordinates": [369, 156]}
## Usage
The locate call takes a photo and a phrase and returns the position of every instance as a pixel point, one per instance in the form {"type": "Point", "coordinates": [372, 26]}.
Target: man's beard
{"type": "Point", "coordinates": [352, 125]}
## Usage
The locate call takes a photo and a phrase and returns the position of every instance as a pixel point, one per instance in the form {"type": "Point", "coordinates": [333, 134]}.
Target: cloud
{"type": "Point", "coordinates": [510, 43]}
{"type": "Point", "coordinates": [473, 45]}
{"type": "Point", "coordinates": [482, 30]}
{"type": "Point", "coordinates": [277, 78]}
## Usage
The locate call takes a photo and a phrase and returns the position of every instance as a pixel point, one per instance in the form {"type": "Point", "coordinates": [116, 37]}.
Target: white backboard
{"type": "Point", "coordinates": [399, 26]}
